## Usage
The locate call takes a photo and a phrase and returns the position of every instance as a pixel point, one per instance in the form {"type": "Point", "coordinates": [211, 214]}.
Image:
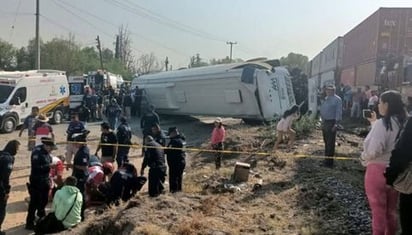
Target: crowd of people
{"type": "Point", "coordinates": [96, 181]}
{"type": "Point", "coordinates": [385, 155]}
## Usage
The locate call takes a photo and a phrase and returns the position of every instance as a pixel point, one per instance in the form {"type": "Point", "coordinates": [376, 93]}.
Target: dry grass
{"type": "Point", "coordinates": [192, 225]}
{"type": "Point", "coordinates": [150, 229]}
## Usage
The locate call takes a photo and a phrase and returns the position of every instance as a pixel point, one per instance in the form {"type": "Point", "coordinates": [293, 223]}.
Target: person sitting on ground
{"type": "Point", "coordinates": [97, 176]}
{"type": "Point", "coordinates": [123, 184]}
{"type": "Point", "coordinates": [284, 127]}
{"type": "Point", "coordinates": [67, 204]}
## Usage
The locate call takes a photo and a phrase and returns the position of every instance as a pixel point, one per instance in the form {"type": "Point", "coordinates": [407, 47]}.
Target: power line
{"type": "Point", "coordinates": [178, 24]}
{"type": "Point", "coordinates": [84, 19]}
{"type": "Point", "coordinates": [60, 25]}
{"type": "Point", "coordinates": [15, 13]}
{"type": "Point", "coordinates": [14, 21]}
{"type": "Point", "coordinates": [116, 26]}
{"type": "Point", "coordinates": [161, 21]}
{"type": "Point", "coordinates": [144, 12]}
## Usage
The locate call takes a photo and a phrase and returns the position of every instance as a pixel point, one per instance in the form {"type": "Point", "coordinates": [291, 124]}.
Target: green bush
{"type": "Point", "coordinates": [305, 126]}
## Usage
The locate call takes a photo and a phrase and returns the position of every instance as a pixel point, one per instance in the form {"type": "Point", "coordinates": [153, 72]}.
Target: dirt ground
{"type": "Point", "coordinates": [17, 206]}
{"type": "Point", "coordinates": [296, 194]}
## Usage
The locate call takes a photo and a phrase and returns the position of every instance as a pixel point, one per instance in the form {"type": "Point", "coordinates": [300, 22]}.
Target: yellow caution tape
{"type": "Point", "coordinates": [275, 154]}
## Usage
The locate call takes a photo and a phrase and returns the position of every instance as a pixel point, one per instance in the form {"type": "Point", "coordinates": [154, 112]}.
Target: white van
{"type": "Point", "coordinates": [20, 91]}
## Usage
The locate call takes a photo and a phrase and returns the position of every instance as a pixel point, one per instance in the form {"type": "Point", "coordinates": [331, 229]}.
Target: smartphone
{"type": "Point", "coordinates": [367, 113]}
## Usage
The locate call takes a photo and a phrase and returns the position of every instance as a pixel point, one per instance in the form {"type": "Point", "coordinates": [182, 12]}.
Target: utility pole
{"type": "Point", "coordinates": [37, 65]}
{"type": "Point", "coordinates": [167, 63]}
{"type": "Point", "coordinates": [100, 52]}
{"type": "Point", "coordinates": [231, 46]}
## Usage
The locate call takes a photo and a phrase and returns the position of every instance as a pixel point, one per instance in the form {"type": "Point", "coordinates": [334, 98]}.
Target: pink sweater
{"type": "Point", "coordinates": [218, 135]}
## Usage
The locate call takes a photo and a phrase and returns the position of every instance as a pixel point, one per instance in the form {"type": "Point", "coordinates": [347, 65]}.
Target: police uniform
{"type": "Point", "coordinates": [6, 166]}
{"type": "Point", "coordinates": [176, 162]}
{"type": "Point", "coordinates": [154, 158]}
{"type": "Point", "coordinates": [124, 136]}
{"type": "Point", "coordinates": [39, 183]}
{"type": "Point", "coordinates": [81, 159]}
{"type": "Point", "coordinates": [124, 184]}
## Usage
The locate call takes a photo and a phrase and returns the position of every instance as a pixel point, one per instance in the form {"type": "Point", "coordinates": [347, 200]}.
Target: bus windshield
{"type": "Point", "coordinates": [5, 92]}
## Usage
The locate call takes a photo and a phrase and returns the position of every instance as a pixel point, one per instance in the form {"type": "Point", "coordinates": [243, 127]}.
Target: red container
{"type": "Point", "coordinates": [382, 39]}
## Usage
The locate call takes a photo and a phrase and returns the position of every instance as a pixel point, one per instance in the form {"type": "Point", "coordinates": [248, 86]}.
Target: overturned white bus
{"type": "Point", "coordinates": [253, 91]}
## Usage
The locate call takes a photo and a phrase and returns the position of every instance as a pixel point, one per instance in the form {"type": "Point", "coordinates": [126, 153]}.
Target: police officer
{"type": "Point", "coordinates": [155, 159]}
{"type": "Point", "coordinates": [39, 185]}
{"type": "Point", "coordinates": [6, 166]}
{"type": "Point", "coordinates": [81, 164]}
{"type": "Point", "coordinates": [149, 119]}
{"type": "Point", "coordinates": [123, 185]}
{"type": "Point", "coordinates": [175, 159]}
{"type": "Point", "coordinates": [158, 135]}
{"type": "Point", "coordinates": [124, 137]}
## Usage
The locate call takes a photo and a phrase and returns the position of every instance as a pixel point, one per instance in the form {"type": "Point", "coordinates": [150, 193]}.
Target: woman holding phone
{"type": "Point", "coordinates": [375, 157]}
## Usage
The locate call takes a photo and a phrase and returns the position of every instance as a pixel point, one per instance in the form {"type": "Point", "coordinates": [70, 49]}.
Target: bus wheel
{"type": "Point", "coordinates": [9, 125]}
{"type": "Point", "coordinates": [57, 117]}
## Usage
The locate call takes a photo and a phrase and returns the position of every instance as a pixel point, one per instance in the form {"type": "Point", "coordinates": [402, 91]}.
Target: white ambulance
{"type": "Point", "coordinates": [21, 90]}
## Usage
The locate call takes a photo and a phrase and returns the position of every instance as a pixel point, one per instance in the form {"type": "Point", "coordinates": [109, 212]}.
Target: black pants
{"type": "Point", "coordinates": [138, 107]}
{"type": "Point", "coordinates": [218, 155]}
{"type": "Point", "coordinates": [3, 203]}
{"type": "Point", "coordinates": [329, 137]}
{"type": "Point", "coordinates": [122, 156]}
{"type": "Point", "coordinates": [156, 180]}
{"type": "Point", "coordinates": [405, 213]}
{"type": "Point", "coordinates": [39, 197]}
{"type": "Point", "coordinates": [176, 176]}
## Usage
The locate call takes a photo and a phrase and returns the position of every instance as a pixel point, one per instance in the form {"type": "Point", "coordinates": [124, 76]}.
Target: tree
{"type": "Point", "coordinates": [7, 56]}
{"type": "Point", "coordinates": [196, 61]}
{"type": "Point", "coordinates": [294, 60]}
{"type": "Point", "coordinates": [88, 60]}
{"type": "Point", "coordinates": [147, 63]}
{"type": "Point", "coordinates": [300, 84]}
{"type": "Point", "coordinates": [124, 48]}
{"type": "Point", "coordinates": [225, 60]}
{"type": "Point", "coordinates": [61, 54]}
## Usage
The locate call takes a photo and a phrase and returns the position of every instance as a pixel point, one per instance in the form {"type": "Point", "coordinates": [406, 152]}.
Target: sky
{"type": "Point", "coordinates": [180, 29]}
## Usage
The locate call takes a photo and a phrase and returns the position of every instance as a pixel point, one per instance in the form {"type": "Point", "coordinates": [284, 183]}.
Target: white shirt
{"type": "Point", "coordinates": [286, 123]}
{"type": "Point", "coordinates": [379, 143]}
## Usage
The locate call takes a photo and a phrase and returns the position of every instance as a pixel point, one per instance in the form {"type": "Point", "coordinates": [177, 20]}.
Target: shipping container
{"type": "Point", "coordinates": [366, 74]}
{"type": "Point", "coordinates": [332, 56]}
{"type": "Point", "coordinates": [327, 78]}
{"type": "Point", "coordinates": [360, 44]}
{"type": "Point", "coordinates": [383, 39]}
{"type": "Point", "coordinates": [316, 61]}
{"type": "Point", "coordinates": [347, 77]}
